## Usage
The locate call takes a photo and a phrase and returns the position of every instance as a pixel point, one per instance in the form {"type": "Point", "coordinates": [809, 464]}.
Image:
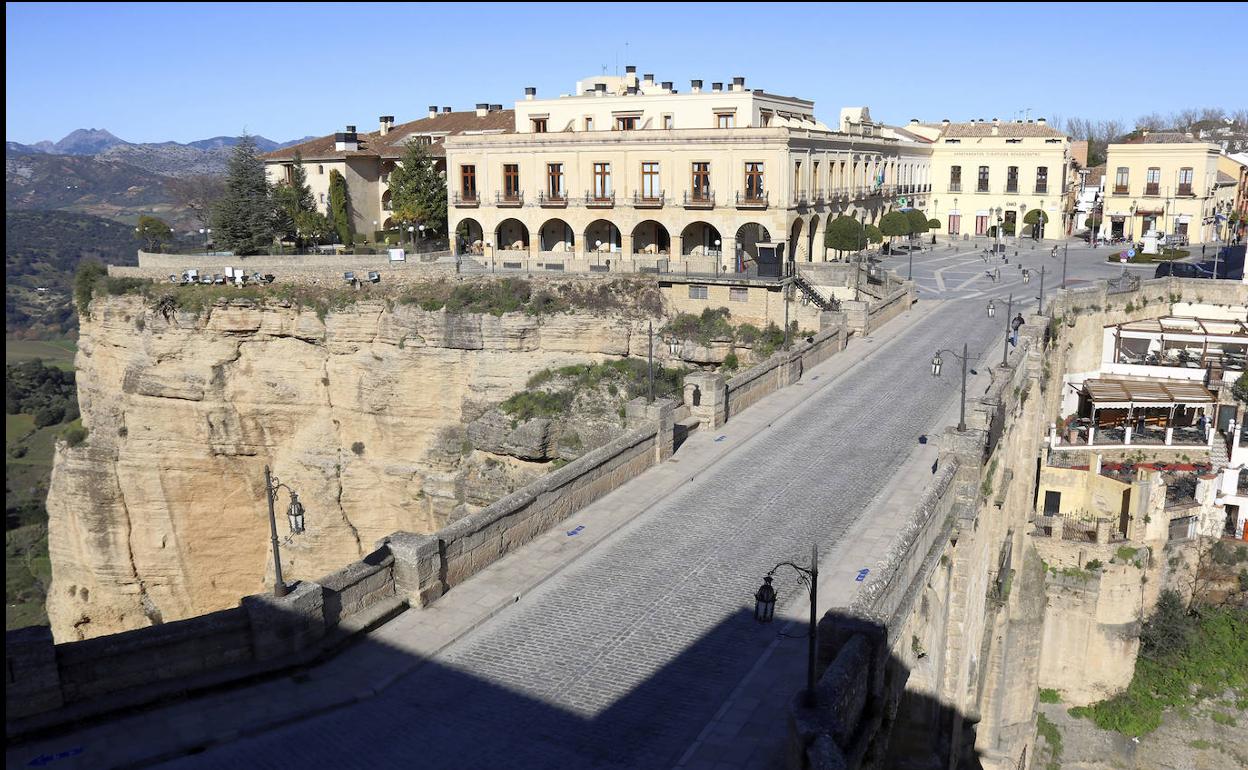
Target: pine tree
{"type": "Point", "coordinates": [242, 221]}
{"type": "Point", "coordinates": [340, 208]}
{"type": "Point", "coordinates": [292, 200]}
{"type": "Point", "coordinates": [418, 191]}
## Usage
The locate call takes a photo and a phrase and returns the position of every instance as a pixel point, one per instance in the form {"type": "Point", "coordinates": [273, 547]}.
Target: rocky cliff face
{"type": "Point", "coordinates": [161, 513]}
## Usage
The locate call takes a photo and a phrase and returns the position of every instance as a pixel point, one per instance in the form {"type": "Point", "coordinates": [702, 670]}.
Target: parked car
{"type": "Point", "coordinates": [1181, 270]}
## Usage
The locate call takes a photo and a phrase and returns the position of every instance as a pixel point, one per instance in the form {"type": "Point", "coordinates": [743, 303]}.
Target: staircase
{"type": "Point", "coordinates": [1218, 456]}
{"type": "Point", "coordinates": [815, 298]}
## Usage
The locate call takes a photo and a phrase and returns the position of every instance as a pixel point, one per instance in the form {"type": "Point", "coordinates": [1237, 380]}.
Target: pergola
{"type": "Point", "coordinates": [1139, 404]}
{"type": "Point", "coordinates": [1180, 341]}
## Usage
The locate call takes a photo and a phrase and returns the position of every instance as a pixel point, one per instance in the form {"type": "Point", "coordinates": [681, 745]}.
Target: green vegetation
{"type": "Point", "coordinates": [48, 393]}
{"type": "Point", "coordinates": [53, 352]}
{"type": "Point", "coordinates": [1049, 695]}
{"type": "Point", "coordinates": [1093, 565]}
{"type": "Point", "coordinates": [418, 191]}
{"type": "Point", "coordinates": [1223, 718]}
{"type": "Point", "coordinates": [154, 232]}
{"type": "Point", "coordinates": [296, 217]}
{"type": "Point", "coordinates": [1240, 388]}
{"type": "Point", "coordinates": [1184, 657]}
{"type": "Point", "coordinates": [1052, 740]}
{"type": "Point", "coordinates": [340, 208]}
{"type": "Point", "coordinates": [1200, 743]}
{"type": "Point", "coordinates": [242, 220]}
{"type": "Point", "coordinates": [919, 223]}
{"type": "Point", "coordinates": [985, 488]}
{"type": "Point", "coordinates": [509, 295]}
{"type": "Point", "coordinates": [712, 325]}
{"type": "Point", "coordinates": [874, 235]}
{"type": "Point", "coordinates": [845, 234]}
{"type": "Point", "coordinates": [1164, 255]}
{"type": "Point", "coordinates": [895, 224]}
{"type": "Point", "coordinates": [731, 363]}
{"type": "Point", "coordinates": [552, 392]}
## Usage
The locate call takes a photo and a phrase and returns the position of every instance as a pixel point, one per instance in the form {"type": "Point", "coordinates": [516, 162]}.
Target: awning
{"type": "Point", "coordinates": [1122, 394]}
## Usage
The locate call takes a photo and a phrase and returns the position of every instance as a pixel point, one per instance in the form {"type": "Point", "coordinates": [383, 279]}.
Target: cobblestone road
{"type": "Point", "coordinates": [621, 659]}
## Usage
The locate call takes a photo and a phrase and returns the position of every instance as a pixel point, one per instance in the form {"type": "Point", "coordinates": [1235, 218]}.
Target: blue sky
{"type": "Point", "coordinates": [154, 72]}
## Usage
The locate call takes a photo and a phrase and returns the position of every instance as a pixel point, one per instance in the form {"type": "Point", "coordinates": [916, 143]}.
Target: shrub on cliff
{"type": "Point", "coordinates": [89, 273]}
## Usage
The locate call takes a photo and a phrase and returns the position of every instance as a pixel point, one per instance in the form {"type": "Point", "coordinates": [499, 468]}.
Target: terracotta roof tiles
{"type": "Point", "coordinates": [392, 145]}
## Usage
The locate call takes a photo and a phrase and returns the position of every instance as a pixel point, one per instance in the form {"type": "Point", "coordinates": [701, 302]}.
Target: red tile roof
{"type": "Point", "coordinates": [373, 144]}
{"type": "Point", "coordinates": [1005, 129]}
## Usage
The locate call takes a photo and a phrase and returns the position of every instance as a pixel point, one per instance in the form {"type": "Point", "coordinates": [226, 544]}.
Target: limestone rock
{"type": "Point", "coordinates": [161, 513]}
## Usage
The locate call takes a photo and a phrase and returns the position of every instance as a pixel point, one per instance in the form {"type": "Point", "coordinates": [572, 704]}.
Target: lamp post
{"type": "Point", "coordinates": [1000, 247]}
{"type": "Point", "coordinates": [421, 228]}
{"type": "Point", "coordinates": [992, 313]}
{"type": "Point", "coordinates": [411, 235]}
{"type": "Point", "coordinates": [938, 363]}
{"type": "Point", "coordinates": [294, 515]}
{"type": "Point", "coordinates": [765, 610]}
{"type": "Point", "coordinates": [650, 358]}
{"type": "Point", "coordinates": [205, 232]}
{"type": "Point", "coordinates": [1041, 297]}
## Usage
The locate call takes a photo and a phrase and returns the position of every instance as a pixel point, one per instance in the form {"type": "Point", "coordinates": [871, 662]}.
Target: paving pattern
{"type": "Point", "coordinates": [621, 659]}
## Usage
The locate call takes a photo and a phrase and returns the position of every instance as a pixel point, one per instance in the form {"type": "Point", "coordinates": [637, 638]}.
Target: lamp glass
{"type": "Point", "coordinates": [765, 602]}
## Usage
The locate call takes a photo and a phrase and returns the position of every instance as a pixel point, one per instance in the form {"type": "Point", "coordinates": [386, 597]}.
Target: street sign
{"type": "Point", "coordinates": [1130, 252]}
{"type": "Point", "coordinates": [901, 201]}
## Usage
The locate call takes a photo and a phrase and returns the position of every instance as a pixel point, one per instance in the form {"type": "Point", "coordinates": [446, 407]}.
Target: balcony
{"type": "Point", "coordinates": [801, 200]}
{"type": "Point", "coordinates": [1186, 190]}
{"type": "Point", "coordinates": [552, 200]}
{"type": "Point", "coordinates": [1121, 189]}
{"type": "Point", "coordinates": [955, 187]}
{"type": "Point", "coordinates": [1011, 189]}
{"type": "Point", "coordinates": [1152, 189]}
{"type": "Point", "coordinates": [752, 200]}
{"type": "Point", "coordinates": [649, 201]}
{"type": "Point", "coordinates": [1041, 189]}
{"type": "Point", "coordinates": [699, 199]}
{"type": "Point", "coordinates": [599, 200]}
{"type": "Point", "coordinates": [983, 188]}
{"type": "Point", "coordinates": [466, 200]}
{"type": "Point", "coordinates": [509, 200]}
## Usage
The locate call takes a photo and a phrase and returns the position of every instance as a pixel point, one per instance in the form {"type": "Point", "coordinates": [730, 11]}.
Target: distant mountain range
{"type": "Point", "coordinates": [172, 159]}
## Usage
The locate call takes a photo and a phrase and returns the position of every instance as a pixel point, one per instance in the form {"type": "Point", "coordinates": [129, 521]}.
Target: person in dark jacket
{"type": "Point", "coordinates": [1015, 325]}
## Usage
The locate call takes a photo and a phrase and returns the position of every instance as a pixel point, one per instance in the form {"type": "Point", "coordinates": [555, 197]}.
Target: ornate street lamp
{"type": "Point", "coordinates": [938, 364]}
{"type": "Point", "coordinates": [765, 611]}
{"type": "Point", "coordinates": [294, 517]}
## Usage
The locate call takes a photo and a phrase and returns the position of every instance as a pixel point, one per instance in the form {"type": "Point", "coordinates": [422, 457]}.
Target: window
{"type": "Point", "coordinates": [602, 181]}
{"type": "Point", "coordinates": [1042, 179]}
{"type": "Point", "coordinates": [589, 123]}
{"type": "Point", "coordinates": [754, 181]}
{"type": "Point", "coordinates": [320, 169]}
{"type": "Point", "coordinates": [765, 118]}
{"type": "Point", "coordinates": [539, 125]}
{"type": "Point", "coordinates": [955, 224]}
{"type": "Point", "coordinates": [511, 180]}
{"type": "Point", "coordinates": [697, 292]}
{"type": "Point", "coordinates": [554, 181]}
{"type": "Point", "coordinates": [626, 123]}
{"type": "Point", "coordinates": [797, 178]}
{"type": "Point", "coordinates": [701, 188]}
{"type": "Point", "coordinates": [981, 224]}
{"type": "Point", "coordinates": [650, 189]}
{"type": "Point", "coordinates": [1052, 503]}
{"type": "Point", "coordinates": [1185, 181]}
{"type": "Point", "coordinates": [468, 182]}
{"type": "Point", "coordinates": [1120, 180]}
{"type": "Point", "coordinates": [725, 120]}
{"type": "Point", "coordinates": [955, 179]}
{"type": "Point", "coordinates": [983, 179]}
{"type": "Point", "coordinates": [1152, 181]}
{"type": "Point", "coordinates": [1011, 179]}
{"type": "Point", "coordinates": [322, 198]}
{"type": "Point", "coordinates": [738, 294]}
{"type": "Point", "coordinates": [668, 122]}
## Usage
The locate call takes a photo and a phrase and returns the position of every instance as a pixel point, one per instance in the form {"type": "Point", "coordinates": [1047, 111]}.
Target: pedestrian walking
{"type": "Point", "coordinates": [1015, 325]}
{"type": "Point", "coordinates": [1053, 253]}
{"type": "Point", "coordinates": [1202, 422]}
{"type": "Point", "coordinates": [996, 274]}
{"type": "Point", "coordinates": [1026, 275]}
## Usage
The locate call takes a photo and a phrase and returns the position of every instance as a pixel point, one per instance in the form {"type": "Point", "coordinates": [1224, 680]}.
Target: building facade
{"type": "Point", "coordinates": [989, 173]}
{"type": "Point", "coordinates": [631, 166]}
{"type": "Point", "coordinates": [365, 159]}
{"type": "Point", "coordinates": [1168, 183]}
{"type": "Point", "coordinates": [1236, 167]}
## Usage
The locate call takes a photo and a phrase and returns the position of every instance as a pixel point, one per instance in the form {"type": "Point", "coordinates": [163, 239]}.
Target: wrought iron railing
{"type": "Point", "coordinates": [700, 200]}
{"type": "Point", "coordinates": [753, 199]}
{"type": "Point", "coordinates": [509, 199]}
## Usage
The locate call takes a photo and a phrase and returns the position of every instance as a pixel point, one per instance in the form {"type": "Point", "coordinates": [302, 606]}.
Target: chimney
{"type": "Point", "coordinates": [482, 109]}
{"type": "Point", "coordinates": [717, 88]}
{"type": "Point", "coordinates": [496, 108]}
{"type": "Point", "coordinates": [433, 110]}
{"type": "Point", "coordinates": [350, 129]}
{"type": "Point", "coordinates": [996, 121]}
{"type": "Point", "coordinates": [1041, 122]}
{"type": "Point", "coordinates": [530, 92]}
{"type": "Point", "coordinates": [914, 121]}
{"type": "Point", "coordinates": [600, 89]}
{"type": "Point", "coordinates": [630, 69]}
{"type": "Point", "coordinates": [695, 86]}
{"type": "Point", "coordinates": [738, 84]}
{"type": "Point", "coordinates": [446, 110]}
{"type": "Point", "coordinates": [944, 123]}
{"type": "Point", "coordinates": [667, 86]}
{"type": "Point", "coordinates": [647, 80]}
{"type": "Point", "coordinates": [386, 122]}
{"type": "Point", "coordinates": [348, 141]}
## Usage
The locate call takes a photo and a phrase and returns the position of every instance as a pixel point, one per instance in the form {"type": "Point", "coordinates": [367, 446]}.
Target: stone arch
{"type": "Point", "coordinates": [385, 200]}
{"type": "Point", "coordinates": [511, 235]}
{"type": "Point", "coordinates": [469, 237]}
{"type": "Point", "coordinates": [602, 235]}
{"type": "Point", "coordinates": [814, 234]}
{"type": "Point", "coordinates": [797, 244]}
{"type": "Point", "coordinates": [699, 239]}
{"type": "Point", "coordinates": [749, 235]}
{"type": "Point", "coordinates": [651, 237]}
{"type": "Point", "coordinates": [389, 224]}
{"type": "Point", "coordinates": [556, 235]}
